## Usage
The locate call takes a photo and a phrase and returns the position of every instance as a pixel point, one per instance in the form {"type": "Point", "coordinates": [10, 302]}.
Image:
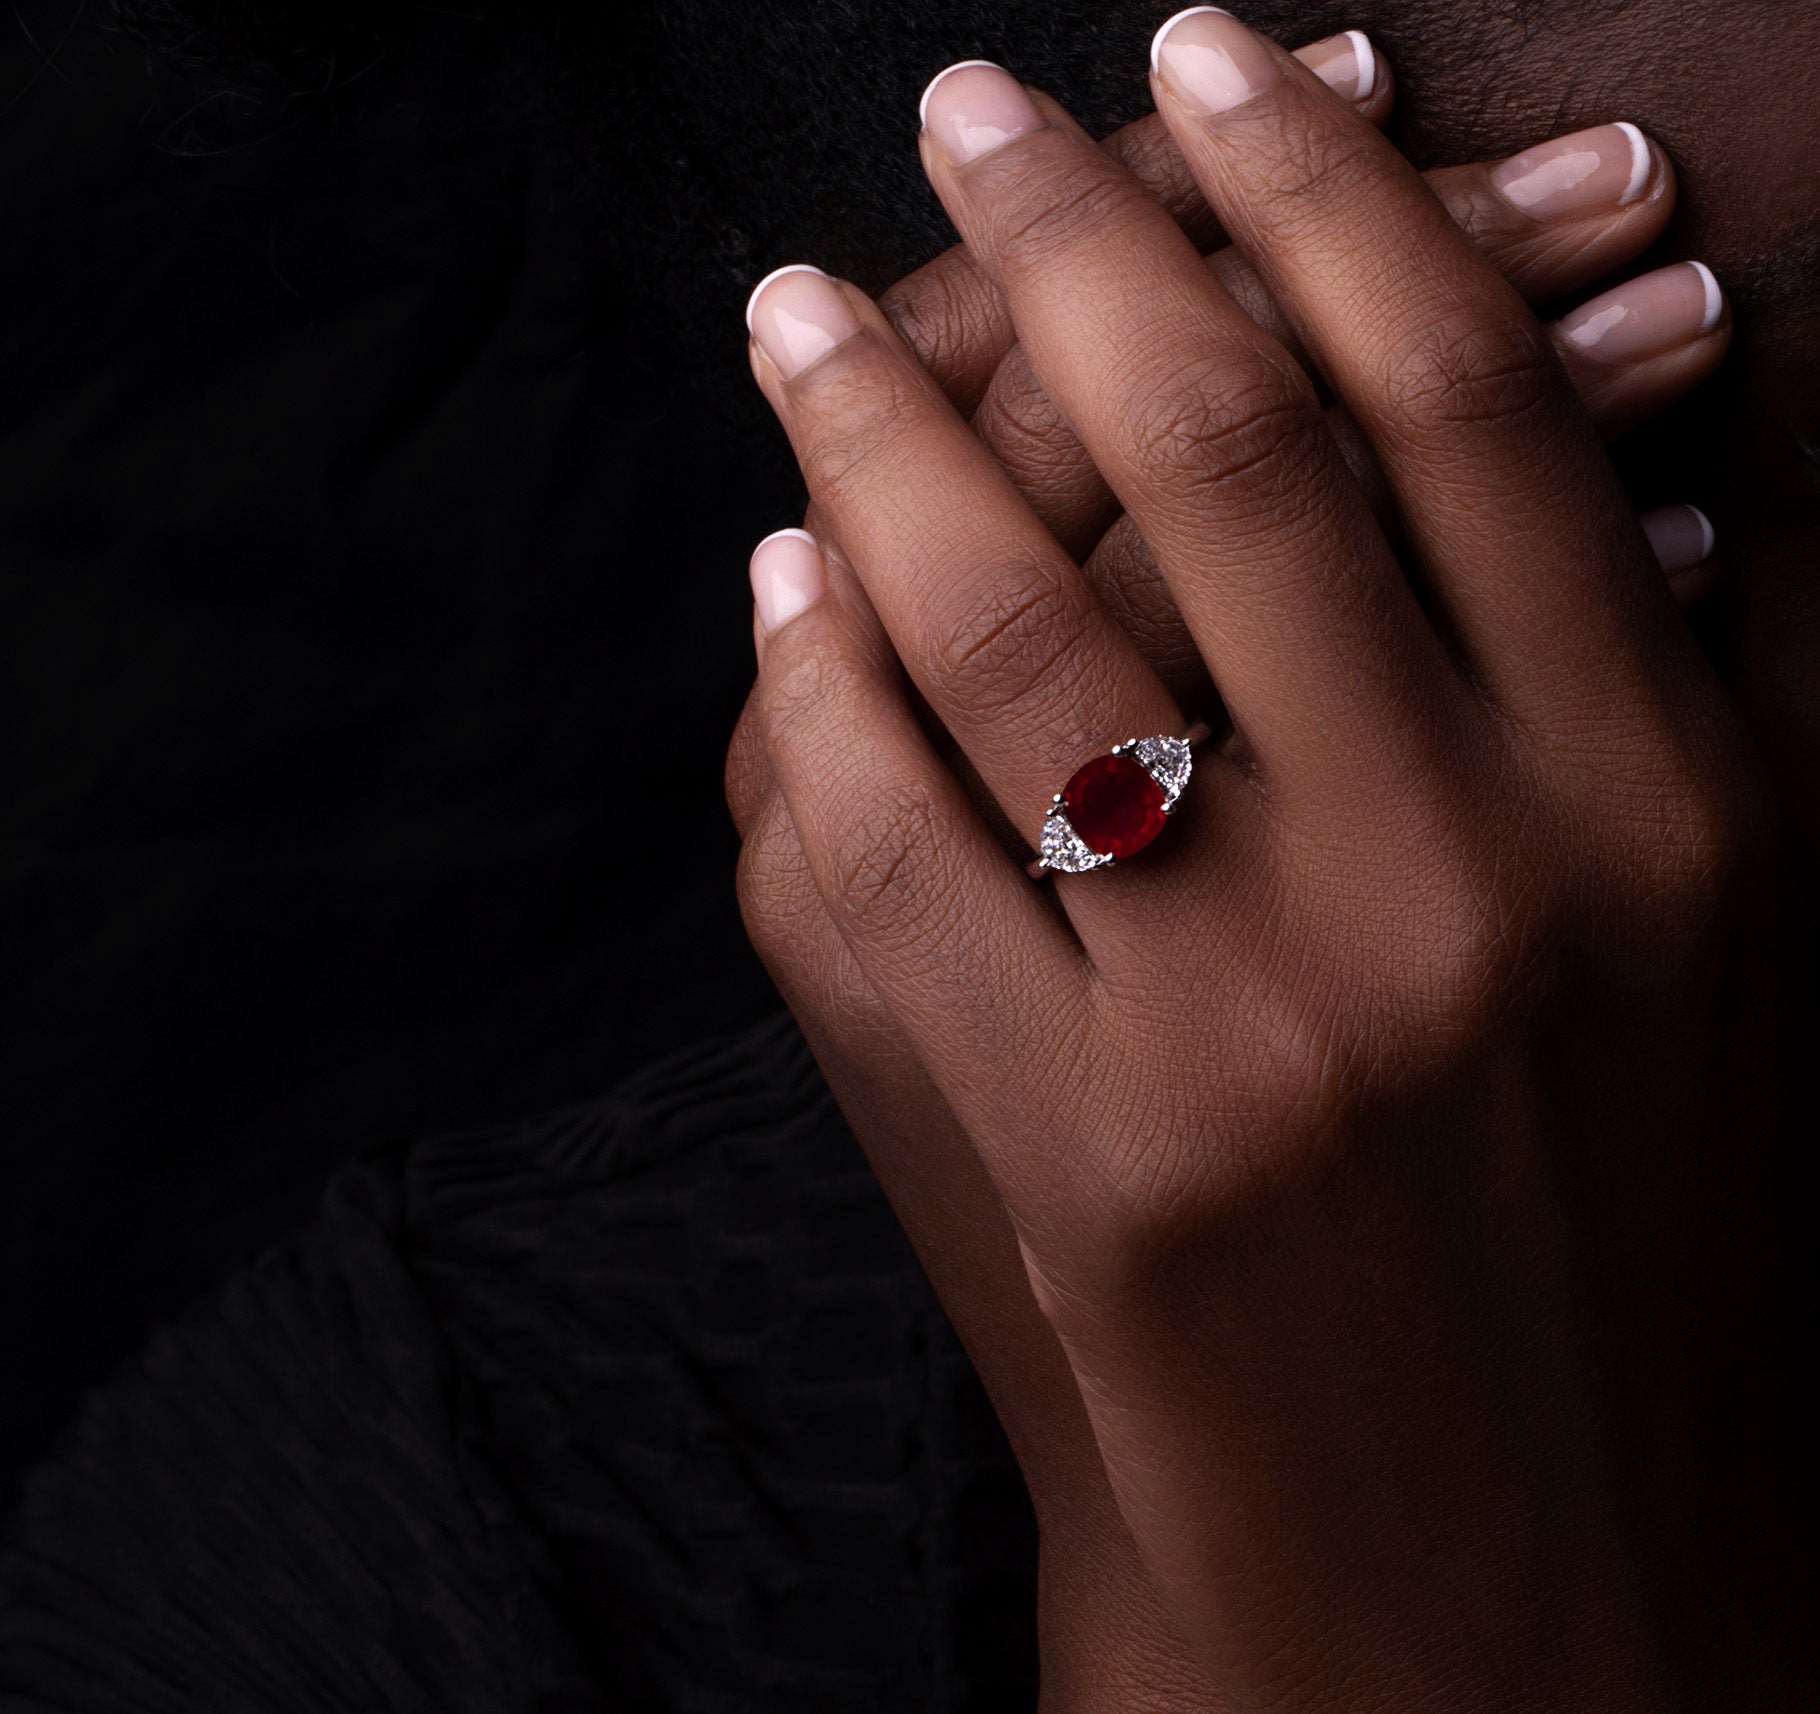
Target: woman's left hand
{"type": "Point", "coordinates": [1374, 1141]}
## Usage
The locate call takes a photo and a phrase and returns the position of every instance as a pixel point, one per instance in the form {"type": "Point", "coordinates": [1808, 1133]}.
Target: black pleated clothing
{"type": "Point", "coordinates": [645, 1405]}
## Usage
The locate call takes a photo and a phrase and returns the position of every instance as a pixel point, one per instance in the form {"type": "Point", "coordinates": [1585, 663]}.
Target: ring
{"type": "Point", "coordinates": [1116, 804]}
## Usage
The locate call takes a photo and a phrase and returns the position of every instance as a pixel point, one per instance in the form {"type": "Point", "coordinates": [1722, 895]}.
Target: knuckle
{"type": "Point", "coordinates": [1469, 369]}
{"type": "Point", "coordinates": [891, 883]}
{"type": "Point", "coordinates": [1691, 843]}
{"type": "Point", "coordinates": [794, 936]}
{"type": "Point", "coordinates": [746, 778]}
{"type": "Point", "coordinates": [944, 315]}
{"type": "Point", "coordinates": [1014, 632]}
{"type": "Point", "coordinates": [1046, 200]}
{"type": "Point", "coordinates": [1023, 430]}
{"type": "Point", "coordinates": [776, 891]}
{"type": "Point", "coordinates": [1474, 908]}
{"type": "Point", "coordinates": [806, 689]}
{"type": "Point", "coordinates": [1221, 422]}
{"type": "Point", "coordinates": [1307, 169]}
{"type": "Point", "coordinates": [857, 414]}
{"type": "Point", "coordinates": [1125, 575]}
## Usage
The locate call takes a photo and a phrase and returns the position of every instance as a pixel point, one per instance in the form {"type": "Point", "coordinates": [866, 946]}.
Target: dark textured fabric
{"type": "Point", "coordinates": [378, 466]}
{"type": "Point", "coordinates": [644, 1405]}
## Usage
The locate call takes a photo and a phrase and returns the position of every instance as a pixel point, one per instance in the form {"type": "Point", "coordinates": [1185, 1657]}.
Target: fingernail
{"type": "Point", "coordinates": [1346, 63]}
{"type": "Point", "coordinates": [1681, 535]}
{"type": "Point", "coordinates": [1210, 61]}
{"type": "Point", "coordinates": [798, 315]}
{"type": "Point", "coordinates": [787, 577]}
{"type": "Point", "coordinates": [1608, 167]}
{"type": "Point", "coordinates": [1652, 313]}
{"type": "Point", "coordinates": [975, 107]}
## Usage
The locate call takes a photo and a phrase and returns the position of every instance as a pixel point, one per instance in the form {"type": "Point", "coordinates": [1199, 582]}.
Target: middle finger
{"type": "Point", "coordinates": [1552, 220]}
{"type": "Point", "coordinates": [1207, 430]}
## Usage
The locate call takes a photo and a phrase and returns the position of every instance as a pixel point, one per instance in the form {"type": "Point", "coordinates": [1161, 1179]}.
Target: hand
{"type": "Point", "coordinates": [1097, 1609]}
{"type": "Point", "coordinates": [1546, 242]}
{"type": "Point", "coordinates": [1141, 1173]}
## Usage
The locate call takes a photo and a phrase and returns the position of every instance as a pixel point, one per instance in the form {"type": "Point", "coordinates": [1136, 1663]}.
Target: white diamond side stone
{"type": "Point", "coordinates": [1064, 849]}
{"type": "Point", "coordinates": [1168, 763]}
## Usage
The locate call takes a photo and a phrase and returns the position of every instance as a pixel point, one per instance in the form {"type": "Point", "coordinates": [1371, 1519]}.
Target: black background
{"type": "Point", "coordinates": [378, 466]}
{"type": "Point", "coordinates": [374, 613]}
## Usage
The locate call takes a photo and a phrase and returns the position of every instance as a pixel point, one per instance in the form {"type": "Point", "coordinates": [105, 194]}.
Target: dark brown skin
{"type": "Point", "coordinates": [1487, 1410]}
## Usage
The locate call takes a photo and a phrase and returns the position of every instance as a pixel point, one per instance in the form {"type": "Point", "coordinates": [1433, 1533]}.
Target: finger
{"type": "Point", "coordinates": [992, 621]}
{"type": "Point", "coordinates": [747, 780]}
{"type": "Point", "coordinates": [1551, 220]}
{"type": "Point", "coordinates": [1131, 584]}
{"type": "Point", "coordinates": [1099, 1603]}
{"type": "Point", "coordinates": [1207, 431]}
{"type": "Point", "coordinates": [1101, 1618]}
{"type": "Point", "coordinates": [1503, 490]}
{"type": "Point", "coordinates": [954, 318]}
{"type": "Point", "coordinates": [1633, 350]}
{"type": "Point", "coordinates": [951, 937]}
{"type": "Point", "coordinates": [1629, 352]}
{"type": "Point", "coordinates": [1681, 538]}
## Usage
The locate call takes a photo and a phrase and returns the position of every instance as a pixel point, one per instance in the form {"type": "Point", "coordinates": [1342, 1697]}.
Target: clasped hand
{"type": "Point", "coordinates": [1325, 1194]}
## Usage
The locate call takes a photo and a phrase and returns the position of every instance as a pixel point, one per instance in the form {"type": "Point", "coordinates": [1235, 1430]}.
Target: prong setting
{"type": "Point", "coordinates": [1167, 762]}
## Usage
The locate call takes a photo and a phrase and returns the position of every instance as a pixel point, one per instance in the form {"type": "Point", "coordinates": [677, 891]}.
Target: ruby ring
{"type": "Point", "coordinates": [1116, 804]}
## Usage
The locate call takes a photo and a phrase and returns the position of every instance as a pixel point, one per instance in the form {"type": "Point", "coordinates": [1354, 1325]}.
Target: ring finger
{"type": "Point", "coordinates": [992, 620]}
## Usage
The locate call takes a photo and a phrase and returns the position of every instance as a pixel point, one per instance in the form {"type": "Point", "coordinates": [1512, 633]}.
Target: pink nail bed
{"type": "Point", "coordinates": [975, 107]}
{"type": "Point", "coordinates": [1592, 171]}
{"type": "Point", "coordinates": [1650, 314]}
{"type": "Point", "coordinates": [1346, 63]}
{"type": "Point", "coordinates": [1210, 61]}
{"type": "Point", "coordinates": [787, 576]}
{"type": "Point", "coordinates": [798, 315]}
{"type": "Point", "coordinates": [1682, 536]}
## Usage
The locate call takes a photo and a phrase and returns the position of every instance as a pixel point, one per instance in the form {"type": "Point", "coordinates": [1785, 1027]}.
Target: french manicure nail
{"type": "Point", "coordinates": [1210, 61]}
{"type": "Point", "coordinates": [1608, 167]}
{"type": "Point", "coordinates": [975, 107]}
{"type": "Point", "coordinates": [787, 577]}
{"type": "Point", "coordinates": [1346, 63]}
{"type": "Point", "coordinates": [1681, 535]}
{"type": "Point", "coordinates": [1650, 314]}
{"type": "Point", "coordinates": [797, 315]}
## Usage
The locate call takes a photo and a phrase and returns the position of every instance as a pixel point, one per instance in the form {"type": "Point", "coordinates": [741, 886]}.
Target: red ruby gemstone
{"type": "Point", "coordinates": [1115, 806]}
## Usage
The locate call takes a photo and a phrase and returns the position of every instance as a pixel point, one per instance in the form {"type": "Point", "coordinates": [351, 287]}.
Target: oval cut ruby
{"type": "Point", "coordinates": [1115, 806]}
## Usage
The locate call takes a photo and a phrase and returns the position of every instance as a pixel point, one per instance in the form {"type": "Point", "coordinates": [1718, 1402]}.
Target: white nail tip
{"type": "Point", "coordinates": [1715, 299]}
{"type": "Point", "coordinates": [788, 268]}
{"type": "Point", "coordinates": [922, 107]}
{"type": "Point", "coordinates": [1706, 532]}
{"type": "Point", "coordinates": [1169, 24]}
{"type": "Point", "coordinates": [1366, 67]}
{"type": "Point", "coordinates": [800, 535]}
{"type": "Point", "coordinates": [1639, 163]}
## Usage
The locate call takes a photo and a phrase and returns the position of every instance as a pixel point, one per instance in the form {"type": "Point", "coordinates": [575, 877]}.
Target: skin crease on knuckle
{"type": "Point", "coordinates": [885, 875]}
{"type": "Point", "coordinates": [1299, 165]}
{"type": "Point", "coordinates": [1037, 198]}
{"type": "Point", "coordinates": [947, 314]}
{"type": "Point", "coordinates": [1469, 368]}
{"type": "Point", "coordinates": [1018, 637]}
{"type": "Point", "coordinates": [855, 414]}
{"type": "Point", "coordinates": [1220, 423]}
